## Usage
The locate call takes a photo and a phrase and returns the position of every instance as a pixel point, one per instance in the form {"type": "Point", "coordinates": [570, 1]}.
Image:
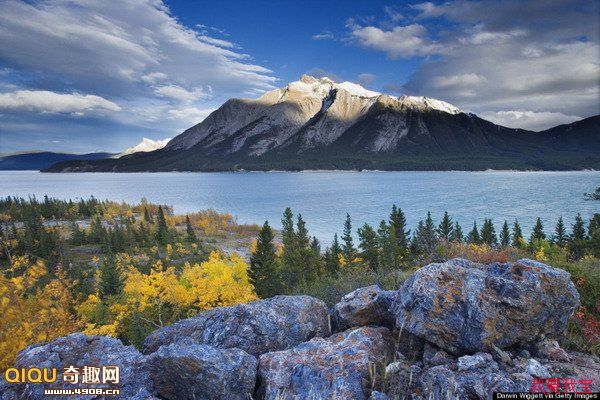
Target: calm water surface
{"type": "Point", "coordinates": [323, 198]}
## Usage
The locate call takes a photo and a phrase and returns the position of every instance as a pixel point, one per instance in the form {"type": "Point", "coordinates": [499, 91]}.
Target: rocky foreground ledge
{"type": "Point", "coordinates": [454, 330]}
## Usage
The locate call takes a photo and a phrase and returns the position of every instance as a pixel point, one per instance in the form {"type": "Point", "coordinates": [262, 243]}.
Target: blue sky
{"type": "Point", "coordinates": [85, 75]}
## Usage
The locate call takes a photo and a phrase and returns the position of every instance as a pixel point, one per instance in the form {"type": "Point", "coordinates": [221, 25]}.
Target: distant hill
{"type": "Point", "coordinates": [37, 160]}
{"type": "Point", "coordinates": [319, 124]}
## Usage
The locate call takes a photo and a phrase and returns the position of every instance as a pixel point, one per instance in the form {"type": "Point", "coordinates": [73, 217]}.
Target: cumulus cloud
{"type": "Point", "coordinates": [50, 102]}
{"type": "Point", "coordinates": [399, 42]}
{"type": "Point", "coordinates": [191, 115]}
{"type": "Point", "coordinates": [180, 94]}
{"type": "Point", "coordinates": [535, 121]}
{"type": "Point", "coordinates": [492, 56]}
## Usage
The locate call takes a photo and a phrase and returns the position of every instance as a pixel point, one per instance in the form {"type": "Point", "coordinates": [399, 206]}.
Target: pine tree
{"type": "Point", "coordinates": [425, 239]}
{"type": "Point", "coordinates": [147, 216]}
{"type": "Point", "coordinates": [110, 283]}
{"type": "Point", "coordinates": [517, 235]}
{"type": "Point", "coordinates": [309, 257]}
{"type": "Point", "coordinates": [538, 231]}
{"type": "Point", "coordinates": [348, 246]}
{"type": "Point", "coordinates": [445, 228]}
{"type": "Point", "coordinates": [473, 236]}
{"type": "Point", "coordinates": [398, 224]}
{"type": "Point", "coordinates": [594, 235]}
{"type": "Point", "coordinates": [368, 245]}
{"type": "Point", "coordinates": [189, 229]}
{"type": "Point", "coordinates": [457, 233]}
{"type": "Point", "coordinates": [560, 233]}
{"type": "Point", "coordinates": [332, 257]}
{"type": "Point", "coordinates": [505, 235]}
{"type": "Point", "coordinates": [264, 271]}
{"type": "Point", "coordinates": [290, 268]}
{"type": "Point", "coordinates": [97, 231]}
{"type": "Point", "coordinates": [77, 234]}
{"type": "Point", "coordinates": [488, 233]}
{"type": "Point", "coordinates": [162, 230]}
{"type": "Point", "coordinates": [578, 229]}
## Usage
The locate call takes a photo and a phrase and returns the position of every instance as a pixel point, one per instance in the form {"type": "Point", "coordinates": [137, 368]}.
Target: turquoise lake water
{"type": "Point", "coordinates": [323, 198]}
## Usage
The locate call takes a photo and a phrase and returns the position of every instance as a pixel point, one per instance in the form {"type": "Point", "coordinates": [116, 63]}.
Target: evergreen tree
{"type": "Point", "coordinates": [309, 256]}
{"type": "Point", "coordinates": [388, 245]}
{"type": "Point", "coordinates": [488, 233]}
{"type": "Point", "coordinates": [348, 249]}
{"type": "Point", "coordinates": [594, 235]}
{"type": "Point", "coordinates": [110, 283]}
{"type": "Point", "coordinates": [97, 231]}
{"type": "Point", "coordinates": [517, 235]}
{"type": "Point", "coordinates": [189, 229]}
{"type": "Point", "coordinates": [505, 235]}
{"type": "Point", "coordinates": [578, 228]}
{"type": "Point", "coordinates": [398, 225]}
{"type": "Point", "coordinates": [162, 230]}
{"type": "Point", "coordinates": [473, 236]}
{"type": "Point", "coordinates": [425, 239]}
{"type": "Point", "coordinates": [332, 257]}
{"type": "Point", "coordinates": [538, 231]}
{"type": "Point", "coordinates": [290, 268]}
{"type": "Point", "coordinates": [147, 216]}
{"type": "Point", "coordinates": [368, 245]}
{"type": "Point", "coordinates": [264, 271]}
{"type": "Point", "coordinates": [560, 233]}
{"type": "Point", "coordinates": [445, 228]}
{"type": "Point", "coordinates": [77, 234]}
{"type": "Point", "coordinates": [457, 233]}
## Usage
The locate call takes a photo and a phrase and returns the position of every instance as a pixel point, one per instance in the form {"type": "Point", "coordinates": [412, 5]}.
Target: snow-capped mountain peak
{"type": "Point", "coordinates": [146, 145]}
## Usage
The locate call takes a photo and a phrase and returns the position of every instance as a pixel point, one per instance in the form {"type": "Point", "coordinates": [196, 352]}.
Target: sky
{"type": "Point", "coordinates": [90, 75]}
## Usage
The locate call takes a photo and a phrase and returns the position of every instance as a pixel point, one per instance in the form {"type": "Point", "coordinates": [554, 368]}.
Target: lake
{"type": "Point", "coordinates": [323, 198]}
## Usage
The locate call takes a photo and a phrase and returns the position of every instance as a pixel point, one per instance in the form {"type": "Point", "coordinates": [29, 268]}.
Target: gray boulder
{"type": "Point", "coordinates": [201, 372]}
{"type": "Point", "coordinates": [365, 306]}
{"type": "Point", "coordinates": [465, 307]}
{"type": "Point", "coordinates": [343, 366]}
{"type": "Point", "coordinates": [79, 350]}
{"type": "Point", "coordinates": [258, 327]}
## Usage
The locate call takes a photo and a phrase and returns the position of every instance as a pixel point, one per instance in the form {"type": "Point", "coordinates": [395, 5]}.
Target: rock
{"type": "Point", "coordinates": [79, 350]}
{"type": "Point", "coordinates": [581, 367]}
{"type": "Point", "coordinates": [365, 306]}
{"type": "Point", "coordinates": [433, 355]}
{"type": "Point", "coordinates": [479, 360]}
{"type": "Point", "coordinates": [258, 327]}
{"type": "Point", "coordinates": [535, 369]}
{"type": "Point", "coordinates": [550, 349]}
{"type": "Point", "coordinates": [441, 383]}
{"type": "Point", "coordinates": [198, 371]}
{"type": "Point", "coordinates": [375, 395]}
{"type": "Point", "coordinates": [402, 379]}
{"type": "Point", "coordinates": [343, 366]}
{"type": "Point", "coordinates": [500, 355]}
{"type": "Point", "coordinates": [465, 307]}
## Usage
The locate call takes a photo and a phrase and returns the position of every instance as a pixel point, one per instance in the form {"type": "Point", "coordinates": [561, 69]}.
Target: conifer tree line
{"type": "Point", "coordinates": [391, 246]}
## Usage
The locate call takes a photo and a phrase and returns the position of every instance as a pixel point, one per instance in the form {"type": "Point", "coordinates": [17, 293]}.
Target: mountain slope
{"type": "Point", "coordinates": [145, 146]}
{"type": "Point", "coordinates": [319, 124]}
{"type": "Point", "coordinates": [43, 159]}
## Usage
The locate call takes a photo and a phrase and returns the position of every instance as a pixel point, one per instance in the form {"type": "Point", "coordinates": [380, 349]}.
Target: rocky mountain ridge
{"type": "Point", "coordinates": [316, 123]}
{"type": "Point", "coordinates": [453, 330]}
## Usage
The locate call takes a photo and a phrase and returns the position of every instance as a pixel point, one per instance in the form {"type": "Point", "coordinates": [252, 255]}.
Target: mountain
{"type": "Point", "coordinates": [145, 146]}
{"type": "Point", "coordinates": [37, 160]}
{"type": "Point", "coordinates": [320, 124]}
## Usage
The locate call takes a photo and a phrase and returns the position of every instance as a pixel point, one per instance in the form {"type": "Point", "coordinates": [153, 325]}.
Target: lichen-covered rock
{"type": "Point", "coordinates": [258, 327]}
{"type": "Point", "coordinates": [465, 307]}
{"type": "Point", "coordinates": [337, 367]}
{"type": "Point", "coordinates": [202, 372]}
{"type": "Point", "coordinates": [479, 360]}
{"type": "Point", "coordinates": [402, 379]}
{"type": "Point", "coordinates": [365, 306]}
{"type": "Point", "coordinates": [79, 350]}
{"type": "Point", "coordinates": [433, 355]}
{"type": "Point", "coordinates": [549, 349]}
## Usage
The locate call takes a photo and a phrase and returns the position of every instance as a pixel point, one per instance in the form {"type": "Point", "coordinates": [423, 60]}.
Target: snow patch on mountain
{"type": "Point", "coordinates": [146, 145]}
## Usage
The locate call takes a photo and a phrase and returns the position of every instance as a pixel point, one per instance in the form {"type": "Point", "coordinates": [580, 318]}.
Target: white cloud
{"type": "Point", "coordinates": [50, 102]}
{"type": "Point", "coordinates": [324, 35]}
{"type": "Point", "coordinates": [535, 121]}
{"type": "Point", "coordinates": [365, 79]}
{"type": "Point", "coordinates": [180, 94]}
{"type": "Point", "coordinates": [191, 115]}
{"type": "Point", "coordinates": [401, 41]}
{"type": "Point", "coordinates": [461, 80]}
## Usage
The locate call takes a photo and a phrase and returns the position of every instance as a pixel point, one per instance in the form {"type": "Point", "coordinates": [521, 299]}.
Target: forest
{"type": "Point", "coordinates": [124, 270]}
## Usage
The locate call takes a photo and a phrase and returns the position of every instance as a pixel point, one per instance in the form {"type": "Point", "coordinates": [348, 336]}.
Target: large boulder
{"type": "Point", "coordinates": [202, 372]}
{"type": "Point", "coordinates": [258, 327]}
{"type": "Point", "coordinates": [79, 350]}
{"type": "Point", "coordinates": [365, 306]}
{"type": "Point", "coordinates": [343, 366]}
{"type": "Point", "coordinates": [465, 307]}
